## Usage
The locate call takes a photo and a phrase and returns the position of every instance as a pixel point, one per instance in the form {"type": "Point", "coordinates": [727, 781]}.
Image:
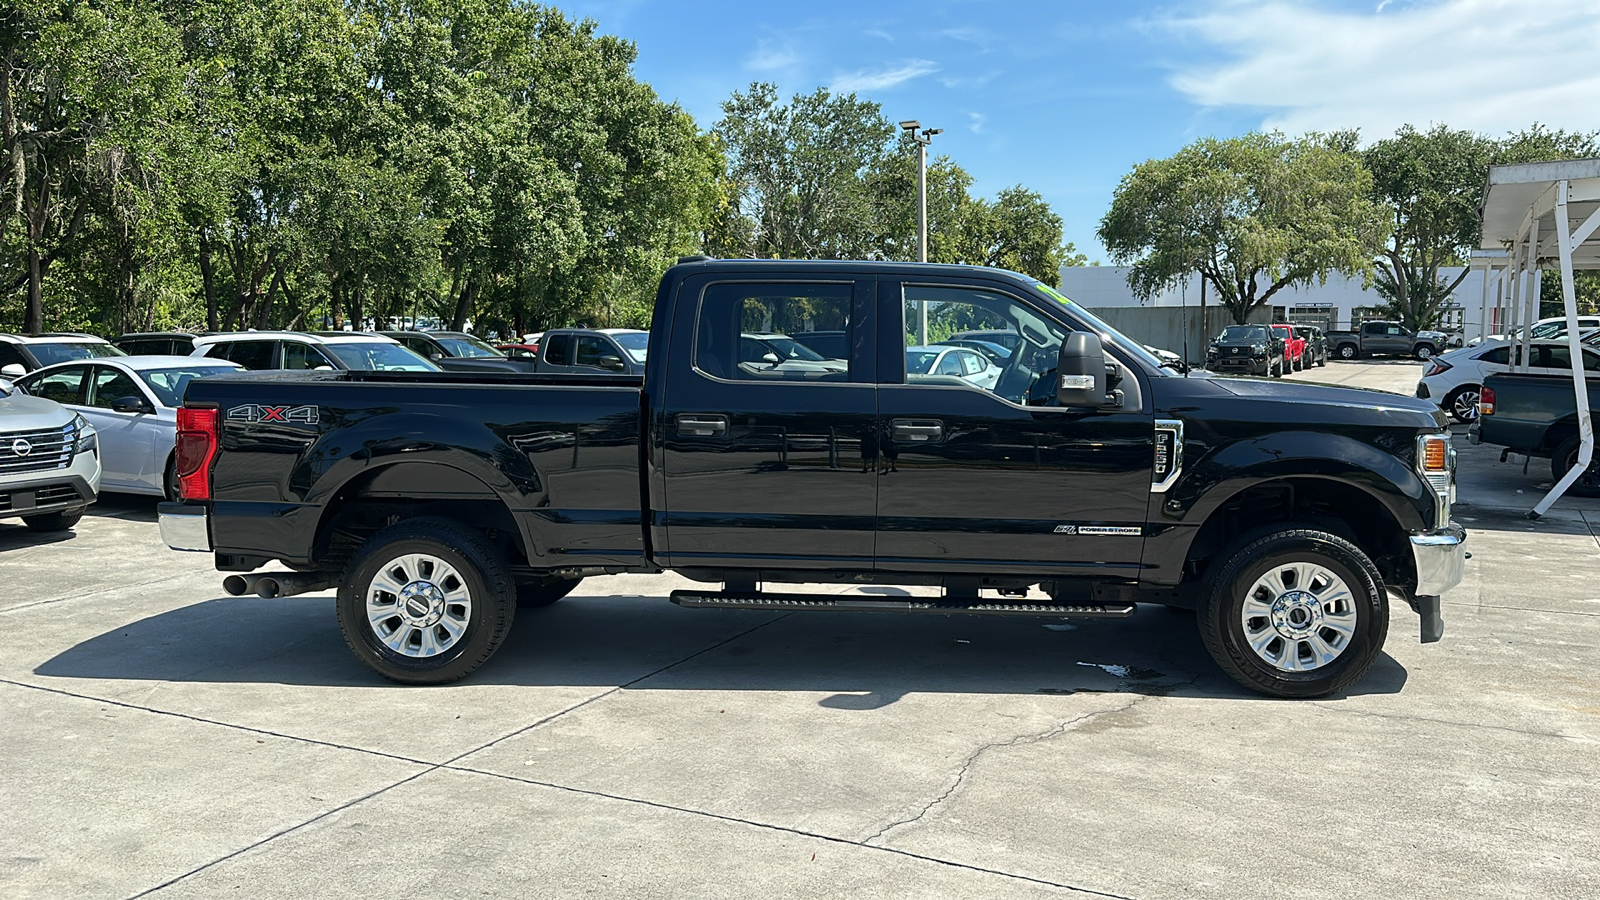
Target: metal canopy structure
{"type": "Point", "coordinates": [1541, 215]}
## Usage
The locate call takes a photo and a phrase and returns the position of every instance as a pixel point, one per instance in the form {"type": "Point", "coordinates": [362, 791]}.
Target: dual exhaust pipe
{"type": "Point", "coordinates": [277, 584]}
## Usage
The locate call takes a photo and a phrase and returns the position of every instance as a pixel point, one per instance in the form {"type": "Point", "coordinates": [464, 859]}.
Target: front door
{"type": "Point", "coordinates": [767, 460]}
{"type": "Point", "coordinates": [987, 478]}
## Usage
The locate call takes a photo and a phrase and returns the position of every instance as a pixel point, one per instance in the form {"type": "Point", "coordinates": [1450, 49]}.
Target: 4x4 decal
{"type": "Point", "coordinates": [253, 412]}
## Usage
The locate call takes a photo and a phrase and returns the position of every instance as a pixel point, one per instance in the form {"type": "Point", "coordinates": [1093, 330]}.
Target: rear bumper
{"type": "Point", "coordinates": [1441, 558]}
{"type": "Point", "coordinates": [184, 527]}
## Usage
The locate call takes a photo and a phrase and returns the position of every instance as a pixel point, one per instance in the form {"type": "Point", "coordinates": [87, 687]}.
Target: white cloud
{"type": "Point", "coordinates": [879, 79]}
{"type": "Point", "coordinates": [976, 121]}
{"type": "Point", "coordinates": [975, 81]}
{"type": "Point", "coordinates": [1488, 65]}
{"type": "Point", "coordinates": [769, 56]}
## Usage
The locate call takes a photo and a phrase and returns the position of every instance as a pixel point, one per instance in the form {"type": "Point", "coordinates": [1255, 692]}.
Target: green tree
{"type": "Point", "coordinates": [1252, 215]}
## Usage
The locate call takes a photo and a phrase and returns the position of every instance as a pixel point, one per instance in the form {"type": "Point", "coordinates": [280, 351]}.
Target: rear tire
{"type": "Point", "coordinates": [1348, 351]}
{"type": "Point", "coordinates": [426, 601]}
{"type": "Point", "coordinates": [1293, 613]}
{"type": "Point", "coordinates": [56, 521]}
{"type": "Point", "coordinates": [1462, 403]}
{"type": "Point", "coordinates": [539, 594]}
{"type": "Point", "coordinates": [1565, 457]}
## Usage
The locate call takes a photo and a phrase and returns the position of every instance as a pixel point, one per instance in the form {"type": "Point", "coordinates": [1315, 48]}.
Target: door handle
{"type": "Point", "coordinates": [702, 425]}
{"type": "Point", "coordinates": [917, 431]}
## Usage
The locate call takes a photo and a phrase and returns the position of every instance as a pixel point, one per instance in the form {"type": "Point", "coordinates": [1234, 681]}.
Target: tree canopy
{"type": "Point", "coordinates": [1252, 215]}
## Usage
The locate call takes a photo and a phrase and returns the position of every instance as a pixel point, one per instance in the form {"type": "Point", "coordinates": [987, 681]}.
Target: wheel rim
{"type": "Point", "coordinates": [1298, 617]}
{"type": "Point", "coordinates": [1347, 352]}
{"type": "Point", "coordinates": [1590, 478]}
{"type": "Point", "coordinates": [1465, 406]}
{"type": "Point", "coordinates": [1424, 352]}
{"type": "Point", "coordinates": [418, 605]}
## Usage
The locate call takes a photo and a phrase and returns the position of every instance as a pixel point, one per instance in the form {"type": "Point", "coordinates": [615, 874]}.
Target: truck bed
{"type": "Point", "coordinates": [561, 453]}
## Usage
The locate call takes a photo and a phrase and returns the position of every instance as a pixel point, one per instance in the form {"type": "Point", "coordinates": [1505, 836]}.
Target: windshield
{"type": "Point", "coordinates": [52, 353]}
{"type": "Point", "coordinates": [1107, 333]}
{"type": "Point", "coordinates": [634, 342]}
{"type": "Point", "coordinates": [919, 361]}
{"type": "Point", "coordinates": [466, 346]}
{"type": "Point", "coordinates": [376, 357]}
{"type": "Point", "coordinates": [789, 348]}
{"type": "Point", "coordinates": [1238, 333]}
{"type": "Point", "coordinates": [169, 384]}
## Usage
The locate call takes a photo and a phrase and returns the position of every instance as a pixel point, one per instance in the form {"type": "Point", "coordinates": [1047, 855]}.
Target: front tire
{"type": "Point", "coordinates": [1424, 352]}
{"type": "Point", "coordinates": [1565, 457]}
{"type": "Point", "coordinates": [1294, 613]}
{"type": "Point", "coordinates": [56, 521]}
{"type": "Point", "coordinates": [426, 601]}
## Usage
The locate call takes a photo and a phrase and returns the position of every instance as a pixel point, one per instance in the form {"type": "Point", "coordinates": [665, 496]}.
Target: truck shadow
{"type": "Point", "coordinates": [863, 661]}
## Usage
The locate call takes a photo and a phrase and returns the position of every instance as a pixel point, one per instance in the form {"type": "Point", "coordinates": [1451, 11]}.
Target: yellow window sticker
{"type": "Point", "coordinates": [1053, 293]}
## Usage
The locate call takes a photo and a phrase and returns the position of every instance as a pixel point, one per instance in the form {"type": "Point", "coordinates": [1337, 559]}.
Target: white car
{"type": "Point", "coordinates": [299, 350]}
{"type": "Point", "coordinates": [132, 403]}
{"type": "Point", "coordinates": [968, 365]}
{"type": "Point", "coordinates": [1553, 327]}
{"type": "Point", "coordinates": [49, 462]}
{"type": "Point", "coordinates": [22, 353]}
{"type": "Point", "coordinates": [1454, 380]}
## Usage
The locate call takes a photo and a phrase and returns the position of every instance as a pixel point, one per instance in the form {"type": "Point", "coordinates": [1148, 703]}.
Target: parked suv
{"type": "Point", "coordinates": [156, 343]}
{"type": "Point", "coordinates": [22, 353]}
{"type": "Point", "coordinates": [296, 350]}
{"type": "Point", "coordinates": [49, 461]}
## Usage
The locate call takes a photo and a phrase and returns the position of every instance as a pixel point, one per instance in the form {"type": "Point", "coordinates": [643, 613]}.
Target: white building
{"type": "Point", "coordinates": [1341, 303]}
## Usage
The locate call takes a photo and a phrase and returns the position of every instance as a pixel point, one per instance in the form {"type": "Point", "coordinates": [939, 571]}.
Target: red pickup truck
{"type": "Point", "coordinates": [1294, 347]}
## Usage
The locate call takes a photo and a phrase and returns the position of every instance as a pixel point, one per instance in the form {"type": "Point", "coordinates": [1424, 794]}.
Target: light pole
{"type": "Point", "coordinates": [923, 137]}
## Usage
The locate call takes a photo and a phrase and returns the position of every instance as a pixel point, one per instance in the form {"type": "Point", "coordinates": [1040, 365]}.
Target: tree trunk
{"type": "Point", "coordinates": [469, 295]}
{"type": "Point", "coordinates": [33, 318]}
{"type": "Point", "coordinates": [208, 280]}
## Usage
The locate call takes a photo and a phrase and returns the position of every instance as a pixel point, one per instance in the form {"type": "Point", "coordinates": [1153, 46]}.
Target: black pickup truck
{"type": "Point", "coordinates": [1080, 478]}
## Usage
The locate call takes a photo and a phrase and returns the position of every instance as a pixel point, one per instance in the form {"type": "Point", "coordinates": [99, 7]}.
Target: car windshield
{"type": "Point", "coordinates": [169, 384]}
{"type": "Point", "coordinates": [52, 353]}
{"type": "Point", "coordinates": [634, 342]}
{"type": "Point", "coordinates": [1243, 333]}
{"type": "Point", "coordinates": [379, 357]}
{"type": "Point", "coordinates": [789, 348]}
{"type": "Point", "coordinates": [466, 345]}
{"type": "Point", "coordinates": [918, 362]}
{"type": "Point", "coordinates": [1107, 333]}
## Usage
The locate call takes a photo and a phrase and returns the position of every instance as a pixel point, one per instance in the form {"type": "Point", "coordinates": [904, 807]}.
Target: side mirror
{"type": "Point", "coordinates": [770, 358]}
{"type": "Point", "coordinates": [612, 362]}
{"type": "Point", "coordinates": [1081, 371]}
{"type": "Point", "coordinates": [13, 370]}
{"type": "Point", "coordinates": [131, 405]}
{"type": "Point", "coordinates": [436, 356]}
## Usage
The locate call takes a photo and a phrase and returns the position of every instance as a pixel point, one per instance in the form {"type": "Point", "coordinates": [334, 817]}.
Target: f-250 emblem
{"type": "Point", "coordinates": [288, 415]}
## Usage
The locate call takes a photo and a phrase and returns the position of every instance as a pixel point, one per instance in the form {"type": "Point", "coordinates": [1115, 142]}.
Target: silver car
{"type": "Point", "coordinates": [49, 464]}
{"type": "Point", "coordinates": [132, 403]}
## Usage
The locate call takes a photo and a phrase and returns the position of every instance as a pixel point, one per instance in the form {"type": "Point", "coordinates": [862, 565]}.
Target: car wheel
{"type": "Point", "coordinates": [169, 483]}
{"type": "Point", "coordinates": [539, 594]}
{"type": "Point", "coordinates": [1294, 613]}
{"type": "Point", "coordinates": [1424, 352]}
{"type": "Point", "coordinates": [1565, 457]}
{"type": "Point", "coordinates": [1278, 372]}
{"type": "Point", "coordinates": [1348, 351]}
{"type": "Point", "coordinates": [1300, 363]}
{"type": "Point", "coordinates": [1462, 404]}
{"type": "Point", "coordinates": [426, 601]}
{"type": "Point", "coordinates": [56, 521]}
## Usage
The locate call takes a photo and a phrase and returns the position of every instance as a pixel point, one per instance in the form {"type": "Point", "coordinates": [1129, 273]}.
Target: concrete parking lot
{"type": "Point", "coordinates": [162, 738]}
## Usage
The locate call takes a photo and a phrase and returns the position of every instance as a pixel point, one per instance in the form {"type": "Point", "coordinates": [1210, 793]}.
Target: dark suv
{"type": "Point", "coordinates": [1247, 349]}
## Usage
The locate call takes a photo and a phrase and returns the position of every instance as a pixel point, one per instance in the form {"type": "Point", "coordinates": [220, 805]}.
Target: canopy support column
{"type": "Point", "coordinates": [1566, 239]}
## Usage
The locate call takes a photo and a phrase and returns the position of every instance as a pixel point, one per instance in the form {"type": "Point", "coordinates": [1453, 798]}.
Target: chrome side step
{"type": "Point", "coordinates": [837, 603]}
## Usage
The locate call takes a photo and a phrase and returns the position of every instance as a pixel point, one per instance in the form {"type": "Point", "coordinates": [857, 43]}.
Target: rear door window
{"type": "Point", "coordinates": [555, 349]}
{"type": "Point", "coordinates": [298, 355]}
{"type": "Point", "coordinates": [756, 332]}
{"type": "Point", "coordinates": [251, 354]}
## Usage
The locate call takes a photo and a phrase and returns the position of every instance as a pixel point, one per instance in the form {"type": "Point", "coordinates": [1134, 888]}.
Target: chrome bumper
{"type": "Point", "coordinates": [1441, 558]}
{"type": "Point", "coordinates": [184, 527]}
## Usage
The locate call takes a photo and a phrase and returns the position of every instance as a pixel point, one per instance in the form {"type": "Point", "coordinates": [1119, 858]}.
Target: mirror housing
{"type": "Point", "coordinates": [613, 363]}
{"type": "Point", "coordinates": [1081, 371]}
{"type": "Point", "coordinates": [131, 404]}
{"type": "Point", "coordinates": [14, 370]}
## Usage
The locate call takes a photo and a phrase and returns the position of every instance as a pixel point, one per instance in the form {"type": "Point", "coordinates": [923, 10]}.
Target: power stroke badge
{"type": "Point", "coordinates": [287, 415]}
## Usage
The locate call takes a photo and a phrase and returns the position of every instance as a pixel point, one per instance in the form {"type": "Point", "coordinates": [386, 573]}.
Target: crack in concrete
{"type": "Point", "coordinates": [1018, 741]}
{"type": "Point", "coordinates": [1590, 525]}
{"type": "Point", "coordinates": [121, 587]}
{"type": "Point", "coordinates": [1526, 732]}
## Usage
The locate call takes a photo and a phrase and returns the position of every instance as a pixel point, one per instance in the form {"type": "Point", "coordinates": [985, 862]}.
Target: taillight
{"type": "Point", "coordinates": [1486, 402]}
{"type": "Point", "coordinates": [195, 451]}
{"type": "Point", "coordinates": [1435, 367]}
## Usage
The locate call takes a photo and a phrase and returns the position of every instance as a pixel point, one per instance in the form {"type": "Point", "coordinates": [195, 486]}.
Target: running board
{"type": "Point", "coordinates": [837, 603]}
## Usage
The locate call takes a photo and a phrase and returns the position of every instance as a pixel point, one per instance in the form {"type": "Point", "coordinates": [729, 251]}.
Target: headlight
{"type": "Point", "coordinates": [85, 437]}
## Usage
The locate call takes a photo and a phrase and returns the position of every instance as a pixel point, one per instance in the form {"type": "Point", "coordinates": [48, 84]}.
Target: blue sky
{"type": "Point", "coordinates": [1066, 97]}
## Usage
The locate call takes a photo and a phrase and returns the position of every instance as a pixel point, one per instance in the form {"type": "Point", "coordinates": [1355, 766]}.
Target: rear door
{"type": "Point", "coordinates": [763, 465]}
{"type": "Point", "coordinates": [990, 481]}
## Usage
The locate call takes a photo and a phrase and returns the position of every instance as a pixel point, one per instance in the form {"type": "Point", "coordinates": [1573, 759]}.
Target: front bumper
{"type": "Point", "coordinates": [184, 527]}
{"type": "Point", "coordinates": [52, 490]}
{"type": "Point", "coordinates": [1441, 558]}
{"type": "Point", "coordinates": [1243, 364]}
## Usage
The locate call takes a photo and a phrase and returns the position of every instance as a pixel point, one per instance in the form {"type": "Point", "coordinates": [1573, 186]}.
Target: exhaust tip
{"type": "Point", "coordinates": [236, 585]}
{"type": "Point", "coordinates": [268, 588]}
